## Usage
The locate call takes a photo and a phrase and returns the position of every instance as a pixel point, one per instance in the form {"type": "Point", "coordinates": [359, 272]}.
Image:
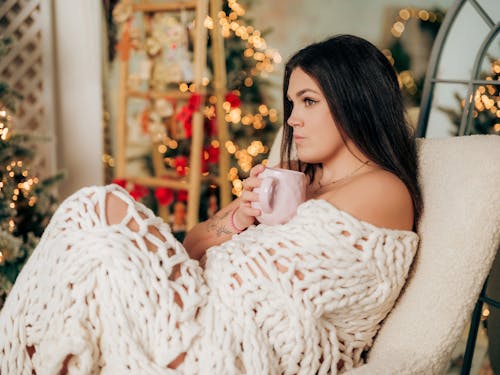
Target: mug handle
{"type": "Point", "coordinates": [266, 193]}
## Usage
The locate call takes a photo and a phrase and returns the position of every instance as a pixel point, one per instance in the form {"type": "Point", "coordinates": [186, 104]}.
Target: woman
{"type": "Point", "coordinates": [109, 289]}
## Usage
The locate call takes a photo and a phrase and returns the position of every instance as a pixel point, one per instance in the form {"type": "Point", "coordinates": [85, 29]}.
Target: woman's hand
{"type": "Point", "coordinates": [244, 214]}
{"type": "Point", "coordinates": [234, 218]}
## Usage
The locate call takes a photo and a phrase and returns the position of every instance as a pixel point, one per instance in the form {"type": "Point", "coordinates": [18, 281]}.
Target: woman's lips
{"type": "Point", "coordinates": [298, 139]}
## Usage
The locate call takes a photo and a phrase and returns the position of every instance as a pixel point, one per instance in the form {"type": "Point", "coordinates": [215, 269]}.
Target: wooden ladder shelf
{"type": "Point", "coordinates": [162, 177]}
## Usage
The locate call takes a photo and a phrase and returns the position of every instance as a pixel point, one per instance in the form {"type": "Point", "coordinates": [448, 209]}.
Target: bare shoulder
{"type": "Point", "coordinates": [378, 197]}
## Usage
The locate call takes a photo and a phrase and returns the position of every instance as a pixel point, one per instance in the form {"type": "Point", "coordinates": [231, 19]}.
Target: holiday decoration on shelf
{"type": "Point", "coordinates": [402, 55]}
{"type": "Point", "coordinates": [486, 108]}
{"type": "Point", "coordinates": [26, 202]}
{"type": "Point", "coordinates": [159, 46]}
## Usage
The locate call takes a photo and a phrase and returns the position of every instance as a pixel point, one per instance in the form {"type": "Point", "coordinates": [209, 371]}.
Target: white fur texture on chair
{"type": "Point", "coordinates": [460, 235]}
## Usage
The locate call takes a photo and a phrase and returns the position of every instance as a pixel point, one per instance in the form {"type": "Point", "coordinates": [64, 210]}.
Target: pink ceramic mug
{"type": "Point", "coordinates": [280, 193]}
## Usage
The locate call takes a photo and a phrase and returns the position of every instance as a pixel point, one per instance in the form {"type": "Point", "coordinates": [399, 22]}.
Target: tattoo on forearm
{"type": "Point", "coordinates": [217, 225]}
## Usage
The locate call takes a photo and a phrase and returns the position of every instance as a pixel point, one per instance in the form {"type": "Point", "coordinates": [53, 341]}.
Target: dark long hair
{"type": "Point", "coordinates": [363, 94]}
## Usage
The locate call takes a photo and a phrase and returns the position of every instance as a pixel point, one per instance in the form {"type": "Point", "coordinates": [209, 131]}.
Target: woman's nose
{"type": "Point", "coordinates": [293, 121]}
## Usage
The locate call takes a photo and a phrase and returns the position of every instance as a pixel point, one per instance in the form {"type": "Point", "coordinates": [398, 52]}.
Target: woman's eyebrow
{"type": "Point", "coordinates": [302, 92]}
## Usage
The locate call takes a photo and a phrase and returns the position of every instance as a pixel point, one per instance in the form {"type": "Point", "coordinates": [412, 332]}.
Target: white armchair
{"type": "Point", "coordinates": [460, 235]}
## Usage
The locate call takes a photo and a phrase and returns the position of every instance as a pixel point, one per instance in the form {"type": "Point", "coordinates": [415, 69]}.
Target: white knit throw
{"type": "Point", "coordinates": [300, 298]}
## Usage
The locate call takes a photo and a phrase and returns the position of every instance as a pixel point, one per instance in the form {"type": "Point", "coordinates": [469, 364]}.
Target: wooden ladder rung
{"type": "Point", "coordinates": [164, 7]}
{"type": "Point", "coordinates": [159, 182]}
{"type": "Point", "coordinates": [169, 182]}
{"type": "Point", "coordinates": [153, 94]}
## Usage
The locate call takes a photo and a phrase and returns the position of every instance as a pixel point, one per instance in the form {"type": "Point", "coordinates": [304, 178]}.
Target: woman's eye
{"type": "Point", "coordinates": [308, 102]}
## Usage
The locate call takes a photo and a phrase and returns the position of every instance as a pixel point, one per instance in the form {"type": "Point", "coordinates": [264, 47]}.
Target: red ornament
{"type": "Point", "coordinates": [188, 128]}
{"type": "Point", "coordinates": [120, 182]}
{"type": "Point", "coordinates": [213, 154]}
{"type": "Point", "coordinates": [138, 192]}
{"type": "Point", "coordinates": [182, 195]}
{"type": "Point", "coordinates": [180, 164]}
{"type": "Point", "coordinates": [233, 99]}
{"type": "Point", "coordinates": [164, 196]}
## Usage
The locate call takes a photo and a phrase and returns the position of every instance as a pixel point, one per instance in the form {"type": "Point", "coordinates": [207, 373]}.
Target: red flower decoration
{"type": "Point", "coordinates": [182, 195]}
{"type": "Point", "coordinates": [180, 164]}
{"type": "Point", "coordinates": [194, 102]}
{"type": "Point", "coordinates": [120, 182]}
{"type": "Point", "coordinates": [164, 196]}
{"type": "Point", "coordinates": [185, 115]}
{"type": "Point", "coordinates": [233, 99]}
{"type": "Point", "coordinates": [139, 192]}
{"type": "Point", "coordinates": [188, 128]}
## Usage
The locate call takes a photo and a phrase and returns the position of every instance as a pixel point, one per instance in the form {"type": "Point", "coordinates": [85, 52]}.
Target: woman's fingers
{"type": "Point", "coordinates": [245, 212]}
{"type": "Point", "coordinates": [251, 183]}
{"type": "Point", "coordinates": [256, 170]}
{"type": "Point", "coordinates": [249, 196]}
{"type": "Point", "coordinates": [249, 211]}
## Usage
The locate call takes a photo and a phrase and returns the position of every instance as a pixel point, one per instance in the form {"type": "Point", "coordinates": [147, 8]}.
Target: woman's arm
{"type": "Point", "coordinates": [232, 219]}
{"type": "Point", "coordinates": [214, 231]}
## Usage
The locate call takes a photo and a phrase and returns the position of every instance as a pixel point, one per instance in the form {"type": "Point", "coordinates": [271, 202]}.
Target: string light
{"type": "Point", "coordinates": [257, 46]}
{"type": "Point", "coordinates": [173, 144]}
{"type": "Point", "coordinates": [487, 98]}
{"type": "Point", "coordinates": [405, 14]}
{"type": "Point", "coordinates": [237, 187]}
{"type": "Point", "coordinates": [485, 312]}
{"type": "Point", "coordinates": [231, 147]}
{"type": "Point", "coordinates": [32, 201]}
{"type": "Point", "coordinates": [109, 160]}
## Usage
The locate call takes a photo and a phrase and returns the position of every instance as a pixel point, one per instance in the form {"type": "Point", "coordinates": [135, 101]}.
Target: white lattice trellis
{"type": "Point", "coordinates": [22, 68]}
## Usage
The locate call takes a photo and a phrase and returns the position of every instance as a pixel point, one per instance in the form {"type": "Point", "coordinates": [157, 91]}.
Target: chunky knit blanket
{"type": "Point", "coordinates": [300, 298]}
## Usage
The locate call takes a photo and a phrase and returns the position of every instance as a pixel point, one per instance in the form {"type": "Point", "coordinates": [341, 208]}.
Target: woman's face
{"type": "Point", "coordinates": [315, 133]}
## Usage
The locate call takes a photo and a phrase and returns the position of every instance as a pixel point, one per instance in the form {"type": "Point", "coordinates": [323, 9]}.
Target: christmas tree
{"type": "Point", "coordinates": [252, 122]}
{"type": "Point", "coordinates": [486, 108]}
{"type": "Point", "coordinates": [26, 202]}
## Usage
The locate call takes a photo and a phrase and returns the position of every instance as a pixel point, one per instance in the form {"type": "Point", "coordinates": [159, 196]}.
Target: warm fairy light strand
{"type": "Point", "coordinates": [256, 48]}
{"type": "Point", "coordinates": [15, 168]}
{"type": "Point", "coordinates": [485, 98]}
{"type": "Point", "coordinates": [405, 77]}
{"type": "Point", "coordinates": [405, 14]}
{"type": "Point", "coordinates": [265, 59]}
